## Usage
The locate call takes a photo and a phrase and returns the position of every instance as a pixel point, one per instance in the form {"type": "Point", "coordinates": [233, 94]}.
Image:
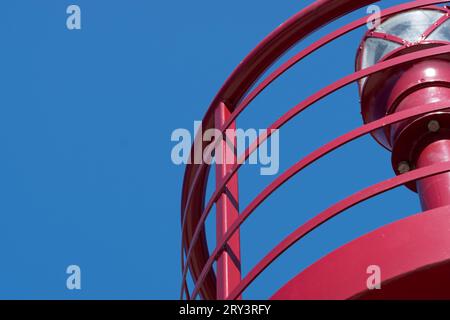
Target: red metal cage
{"type": "Point", "coordinates": [233, 98]}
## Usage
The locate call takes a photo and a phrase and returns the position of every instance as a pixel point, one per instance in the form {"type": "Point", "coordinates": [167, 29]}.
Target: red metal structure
{"type": "Point", "coordinates": [404, 77]}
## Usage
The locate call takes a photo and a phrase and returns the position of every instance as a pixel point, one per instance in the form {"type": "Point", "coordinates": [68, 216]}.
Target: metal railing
{"type": "Point", "coordinates": [236, 97]}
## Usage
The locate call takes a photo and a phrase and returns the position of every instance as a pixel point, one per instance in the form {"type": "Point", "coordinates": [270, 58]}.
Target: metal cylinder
{"type": "Point", "coordinates": [434, 191]}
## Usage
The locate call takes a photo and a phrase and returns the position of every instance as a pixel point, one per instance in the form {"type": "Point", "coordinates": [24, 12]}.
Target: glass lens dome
{"type": "Point", "coordinates": [411, 25]}
{"type": "Point", "coordinates": [375, 49]}
{"type": "Point", "coordinates": [442, 33]}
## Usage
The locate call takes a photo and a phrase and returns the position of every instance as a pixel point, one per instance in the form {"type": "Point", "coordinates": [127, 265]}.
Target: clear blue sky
{"type": "Point", "coordinates": [86, 116]}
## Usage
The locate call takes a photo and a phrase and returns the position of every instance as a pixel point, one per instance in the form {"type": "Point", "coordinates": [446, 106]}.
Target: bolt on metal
{"type": "Point", "coordinates": [434, 126]}
{"type": "Point", "coordinates": [403, 167]}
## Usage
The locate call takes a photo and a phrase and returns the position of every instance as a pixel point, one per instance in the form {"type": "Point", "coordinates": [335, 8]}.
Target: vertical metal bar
{"type": "Point", "coordinates": [434, 191]}
{"type": "Point", "coordinates": [227, 210]}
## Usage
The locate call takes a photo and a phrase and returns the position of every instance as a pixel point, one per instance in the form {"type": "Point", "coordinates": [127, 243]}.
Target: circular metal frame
{"type": "Point", "coordinates": [234, 95]}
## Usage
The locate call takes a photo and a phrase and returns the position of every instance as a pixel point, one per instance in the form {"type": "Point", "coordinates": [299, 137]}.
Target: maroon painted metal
{"type": "Point", "coordinates": [376, 90]}
{"type": "Point", "coordinates": [434, 191]}
{"type": "Point", "coordinates": [259, 60]}
{"type": "Point", "coordinates": [333, 211]}
{"type": "Point", "coordinates": [412, 252]}
{"type": "Point", "coordinates": [308, 102]}
{"type": "Point", "coordinates": [227, 212]}
{"type": "Point", "coordinates": [419, 141]}
{"type": "Point", "coordinates": [409, 138]}
{"type": "Point", "coordinates": [229, 99]}
{"type": "Point", "coordinates": [305, 162]}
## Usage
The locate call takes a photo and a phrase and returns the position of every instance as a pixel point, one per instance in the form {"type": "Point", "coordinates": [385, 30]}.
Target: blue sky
{"type": "Point", "coordinates": [86, 117]}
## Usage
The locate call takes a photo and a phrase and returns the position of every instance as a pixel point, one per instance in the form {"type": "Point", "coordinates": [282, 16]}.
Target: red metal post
{"type": "Point", "coordinates": [194, 212]}
{"type": "Point", "coordinates": [434, 191]}
{"type": "Point", "coordinates": [227, 210]}
{"type": "Point", "coordinates": [423, 141]}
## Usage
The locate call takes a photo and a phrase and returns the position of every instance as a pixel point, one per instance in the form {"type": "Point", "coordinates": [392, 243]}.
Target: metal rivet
{"type": "Point", "coordinates": [434, 126]}
{"type": "Point", "coordinates": [403, 167]}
